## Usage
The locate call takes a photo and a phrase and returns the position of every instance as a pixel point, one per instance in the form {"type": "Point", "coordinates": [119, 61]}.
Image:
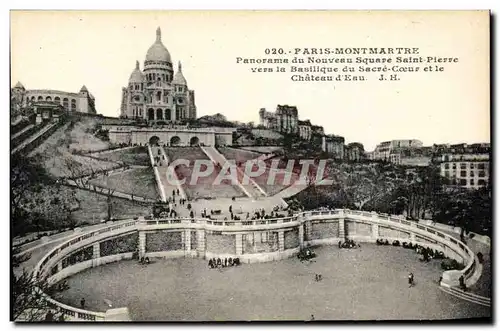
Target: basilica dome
{"type": "Point", "coordinates": [158, 52]}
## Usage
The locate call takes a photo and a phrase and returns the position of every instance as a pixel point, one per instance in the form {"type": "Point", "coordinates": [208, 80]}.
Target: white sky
{"type": "Point", "coordinates": [64, 50]}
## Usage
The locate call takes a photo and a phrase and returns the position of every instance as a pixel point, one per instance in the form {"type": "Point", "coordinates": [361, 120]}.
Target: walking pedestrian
{"type": "Point", "coordinates": [410, 279]}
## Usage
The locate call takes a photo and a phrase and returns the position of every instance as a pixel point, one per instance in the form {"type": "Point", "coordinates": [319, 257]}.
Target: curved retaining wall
{"type": "Point", "coordinates": [252, 241]}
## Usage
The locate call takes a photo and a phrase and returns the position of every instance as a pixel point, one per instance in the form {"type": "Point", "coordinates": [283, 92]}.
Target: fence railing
{"type": "Point", "coordinates": [43, 266]}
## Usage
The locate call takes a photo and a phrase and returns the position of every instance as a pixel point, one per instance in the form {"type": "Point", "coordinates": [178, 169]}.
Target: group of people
{"type": "Point", "coordinates": [429, 253]}
{"type": "Point", "coordinates": [318, 277]}
{"type": "Point", "coordinates": [214, 263]}
{"type": "Point", "coordinates": [144, 260]}
{"type": "Point", "coordinates": [182, 201]}
{"type": "Point", "coordinates": [382, 242]}
{"type": "Point", "coordinates": [306, 254]}
{"type": "Point", "coordinates": [349, 243]}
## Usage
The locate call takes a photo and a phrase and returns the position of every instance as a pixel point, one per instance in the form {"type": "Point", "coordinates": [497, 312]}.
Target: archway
{"type": "Point", "coordinates": [154, 140]}
{"type": "Point", "coordinates": [151, 114]}
{"type": "Point", "coordinates": [159, 114]}
{"type": "Point", "coordinates": [175, 141]}
{"type": "Point", "coordinates": [168, 116]}
{"type": "Point", "coordinates": [194, 141]}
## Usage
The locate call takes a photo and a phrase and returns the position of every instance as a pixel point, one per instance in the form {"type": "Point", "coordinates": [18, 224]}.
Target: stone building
{"type": "Point", "coordinates": [334, 145]}
{"type": "Point", "coordinates": [385, 149]}
{"type": "Point", "coordinates": [465, 170]}
{"type": "Point", "coordinates": [284, 120]}
{"type": "Point", "coordinates": [156, 94]}
{"type": "Point", "coordinates": [305, 129]}
{"type": "Point", "coordinates": [82, 102]}
{"type": "Point", "coordinates": [354, 152]}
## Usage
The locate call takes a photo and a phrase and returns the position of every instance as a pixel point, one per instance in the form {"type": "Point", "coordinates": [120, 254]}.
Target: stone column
{"type": "Point", "coordinates": [413, 237]}
{"type": "Point", "coordinates": [142, 243]}
{"type": "Point", "coordinates": [200, 249]}
{"type": "Point", "coordinates": [97, 251]}
{"type": "Point", "coordinates": [187, 240]}
{"type": "Point", "coordinates": [183, 239]}
{"type": "Point", "coordinates": [301, 236]}
{"type": "Point", "coordinates": [281, 240]}
{"type": "Point", "coordinates": [173, 112]}
{"type": "Point", "coordinates": [342, 234]}
{"type": "Point", "coordinates": [308, 231]}
{"type": "Point", "coordinates": [239, 244]}
{"type": "Point", "coordinates": [59, 266]}
{"type": "Point", "coordinates": [375, 231]}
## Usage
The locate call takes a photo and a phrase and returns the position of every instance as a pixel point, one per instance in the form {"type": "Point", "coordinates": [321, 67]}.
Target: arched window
{"type": "Point", "coordinates": [66, 103]}
{"type": "Point", "coordinates": [151, 114]}
{"type": "Point", "coordinates": [159, 114]}
{"type": "Point", "coordinates": [40, 98]}
{"type": "Point", "coordinates": [73, 105]}
{"type": "Point", "coordinates": [33, 98]}
{"type": "Point", "coordinates": [48, 99]}
{"type": "Point", "coordinates": [168, 115]}
{"type": "Point", "coordinates": [57, 99]}
{"type": "Point", "coordinates": [158, 96]}
{"type": "Point", "coordinates": [154, 76]}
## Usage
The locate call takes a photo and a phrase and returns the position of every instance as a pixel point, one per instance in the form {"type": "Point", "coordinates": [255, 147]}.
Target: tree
{"type": "Point", "coordinates": [28, 293]}
{"type": "Point", "coordinates": [38, 202]}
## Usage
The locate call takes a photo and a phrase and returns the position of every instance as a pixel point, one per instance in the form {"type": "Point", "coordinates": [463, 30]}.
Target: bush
{"type": "Point", "coordinates": [395, 243]}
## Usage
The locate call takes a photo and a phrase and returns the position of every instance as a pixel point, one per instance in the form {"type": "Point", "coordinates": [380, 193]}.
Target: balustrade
{"type": "Point", "coordinates": [303, 229]}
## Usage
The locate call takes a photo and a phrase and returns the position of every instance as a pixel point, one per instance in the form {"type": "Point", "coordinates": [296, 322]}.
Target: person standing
{"type": "Point", "coordinates": [82, 303]}
{"type": "Point", "coordinates": [410, 279]}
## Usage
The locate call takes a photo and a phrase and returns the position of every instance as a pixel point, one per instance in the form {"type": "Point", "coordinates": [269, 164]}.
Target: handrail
{"type": "Point", "coordinates": [430, 232]}
{"type": "Point", "coordinates": [72, 311]}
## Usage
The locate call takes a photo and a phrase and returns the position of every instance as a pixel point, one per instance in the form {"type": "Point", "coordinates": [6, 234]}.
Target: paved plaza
{"type": "Point", "coordinates": [359, 284]}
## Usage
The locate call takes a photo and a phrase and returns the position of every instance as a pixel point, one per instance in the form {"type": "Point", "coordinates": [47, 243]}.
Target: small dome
{"type": "Point", "coordinates": [84, 89]}
{"type": "Point", "coordinates": [179, 77]}
{"type": "Point", "coordinates": [136, 76]}
{"type": "Point", "coordinates": [19, 85]}
{"type": "Point", "coordinates": [157, 51]}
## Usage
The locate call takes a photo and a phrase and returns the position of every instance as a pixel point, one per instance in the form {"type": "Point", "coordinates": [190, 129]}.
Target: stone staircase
{"type": "Point", "coordinates": [252, 190]}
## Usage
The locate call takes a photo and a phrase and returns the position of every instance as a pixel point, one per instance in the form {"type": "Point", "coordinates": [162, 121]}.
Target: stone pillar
{"type": "Point", "coordinates": [413, 237]}
{"type": "Point", "coordinates": [239, 244]}
{"type": "Point", "coordinates": [342, 234]}
{"type": "Point", "coordinates": [173, 113]}
{"type": "Point", "coordinates": [301, 236]}
{"type": "Point", "coordinates": [59, 266]}
{"type": "Point", "coordinates": [187, 240]}
{"type": "Point", "coordinates": [375, 231]}
{"type": "Point", "coordinates": [97, 251]}
{"type": "Point", "coordinates": [281, 240]}
{"type": "Point", "coordinates": [200, 249]}
{"type": "Point", "coordinates": [142, 243]}
{"type": "Point", "coordinates": [308, 231]}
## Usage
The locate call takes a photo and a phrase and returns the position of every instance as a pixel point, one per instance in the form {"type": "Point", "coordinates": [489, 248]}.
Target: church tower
{"type": "Point", "coordinates": [156, 94]}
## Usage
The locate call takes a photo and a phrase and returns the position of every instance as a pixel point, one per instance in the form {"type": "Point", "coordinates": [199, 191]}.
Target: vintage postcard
{"type": "Point", "coordinates": [250, 166]}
